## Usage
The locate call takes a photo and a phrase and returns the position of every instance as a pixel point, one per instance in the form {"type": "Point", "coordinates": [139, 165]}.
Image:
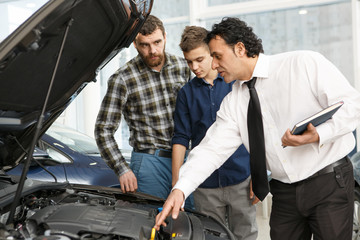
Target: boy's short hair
{"type": "Point", "coordinates": [151, 24]}
{"type": "Point", "coordinates": [193, 37]}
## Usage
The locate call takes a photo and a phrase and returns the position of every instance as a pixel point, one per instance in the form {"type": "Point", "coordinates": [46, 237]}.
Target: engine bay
{"type": "Point", "coordinates": [71, 213]}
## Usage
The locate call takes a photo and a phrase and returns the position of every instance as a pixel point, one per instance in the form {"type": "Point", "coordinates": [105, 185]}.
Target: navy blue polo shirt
{"type": "Point", "coordinates": [196, 106]}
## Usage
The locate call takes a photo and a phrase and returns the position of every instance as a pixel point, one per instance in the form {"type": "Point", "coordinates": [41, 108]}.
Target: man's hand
{"type": "Point", "coordinates": [309, 136]}
{"type": "Point", "coordinates": [128, 182]}
{"type": "Point", "coordinates": [252, 195]}
{"type": "Point", "coordinates": [172, 206]}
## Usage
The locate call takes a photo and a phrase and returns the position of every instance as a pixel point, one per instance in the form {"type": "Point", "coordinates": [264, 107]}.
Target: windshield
{"type": "Point", "coordinates": [73, 139]}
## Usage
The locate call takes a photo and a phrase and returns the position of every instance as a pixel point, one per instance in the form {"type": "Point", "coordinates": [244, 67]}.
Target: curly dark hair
{"type": "Point", "coordinates": [233, 30]}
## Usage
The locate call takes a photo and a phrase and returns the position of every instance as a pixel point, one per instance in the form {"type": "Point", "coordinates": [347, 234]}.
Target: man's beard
{"type": "Point", "coordinates": [153, 63]}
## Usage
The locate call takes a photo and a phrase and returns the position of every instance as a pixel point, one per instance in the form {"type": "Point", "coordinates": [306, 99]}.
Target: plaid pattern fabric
{"type": "Point", "coordinates": [147, 100]}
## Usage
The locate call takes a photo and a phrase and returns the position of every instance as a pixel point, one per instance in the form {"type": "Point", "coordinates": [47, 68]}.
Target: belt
{"type": "Point", "coordinates": [329, 168]}
{"type": "Point", "coordinates": [156, 152]}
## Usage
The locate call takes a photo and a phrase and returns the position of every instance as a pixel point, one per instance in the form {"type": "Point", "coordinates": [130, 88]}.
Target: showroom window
{"type": "Point", "coordinates": [326, 29]}
{"type": "Point", "coordinates": [222, 2]}
{"type": "Point", "coordinates": [13, 13]}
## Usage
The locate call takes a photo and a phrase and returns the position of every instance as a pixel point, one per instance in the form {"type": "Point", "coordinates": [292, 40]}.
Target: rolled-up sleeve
{"type": "Point", "coordinates": [182, 123]}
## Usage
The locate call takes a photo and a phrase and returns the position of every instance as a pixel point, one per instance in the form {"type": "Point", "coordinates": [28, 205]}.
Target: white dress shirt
{"type": "Point", "coordinates": [291, 87]}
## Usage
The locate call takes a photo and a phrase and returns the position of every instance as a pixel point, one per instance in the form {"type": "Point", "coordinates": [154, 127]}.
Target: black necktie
{"type": "Point", "coordinates": [257, 144]}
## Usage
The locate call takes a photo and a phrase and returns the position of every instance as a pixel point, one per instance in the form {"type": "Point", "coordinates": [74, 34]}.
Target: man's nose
{"type": "Point", "coordinates": [214, 64]}
{"type": "Point", "coordinates": [152, 49]}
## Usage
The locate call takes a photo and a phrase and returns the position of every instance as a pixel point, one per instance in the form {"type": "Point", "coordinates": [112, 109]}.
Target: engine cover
{"type": "Point", "coordinates": [79, 219]}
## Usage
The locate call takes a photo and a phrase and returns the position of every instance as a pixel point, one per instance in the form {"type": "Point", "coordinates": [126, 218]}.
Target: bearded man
{"type": "Point", "coordinates": [144, 91]}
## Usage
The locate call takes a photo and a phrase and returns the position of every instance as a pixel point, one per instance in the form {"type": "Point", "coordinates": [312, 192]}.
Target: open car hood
{"type": "Point", "coordinates": [67, 41]}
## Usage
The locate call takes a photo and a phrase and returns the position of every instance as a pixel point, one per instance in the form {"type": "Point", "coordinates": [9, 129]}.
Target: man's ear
{"type": "Point", "coordinates": [240, 49]}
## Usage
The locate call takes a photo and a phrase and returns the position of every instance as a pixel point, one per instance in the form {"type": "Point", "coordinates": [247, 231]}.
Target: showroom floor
{"type": "Point", "coordinates": [263, 219]}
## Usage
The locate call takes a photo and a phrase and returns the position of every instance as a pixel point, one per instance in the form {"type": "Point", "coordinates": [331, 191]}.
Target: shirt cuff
{"type": "Point", "coordinates": [185, 186]}
{"type": "Point", "coordinates": [324, 131]}
{"type": "Point", "coordinates": [122, 167]}
{"type": "Point", "coordinates": [120, 173]}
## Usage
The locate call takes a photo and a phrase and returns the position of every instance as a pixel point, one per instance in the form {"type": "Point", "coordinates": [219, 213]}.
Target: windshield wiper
{"type": "Point", "coordinates": [7, 178]}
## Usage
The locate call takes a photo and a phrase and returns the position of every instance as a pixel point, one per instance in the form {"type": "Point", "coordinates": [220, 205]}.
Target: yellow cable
{"type": "Point", "coordinates": [153, 231]}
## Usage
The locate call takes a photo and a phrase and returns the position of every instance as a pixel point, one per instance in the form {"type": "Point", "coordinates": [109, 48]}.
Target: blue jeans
{"type": "Point", "coordinates": [154, 175]}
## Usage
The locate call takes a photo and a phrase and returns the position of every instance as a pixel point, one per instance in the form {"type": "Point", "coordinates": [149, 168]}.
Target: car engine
{"type": "Point", "coordinates": [73, 213]}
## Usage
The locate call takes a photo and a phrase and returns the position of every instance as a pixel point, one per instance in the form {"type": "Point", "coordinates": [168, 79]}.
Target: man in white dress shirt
{"type": "Point", "coordinates": [312, 178]}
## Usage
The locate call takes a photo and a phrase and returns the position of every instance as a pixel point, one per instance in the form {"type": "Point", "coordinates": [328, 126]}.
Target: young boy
{"type": "Point", "coordinates": [225, 194]}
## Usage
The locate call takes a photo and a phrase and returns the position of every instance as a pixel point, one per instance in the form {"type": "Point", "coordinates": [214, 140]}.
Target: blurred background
{"type": "Point", "coordinates": [330, 27]}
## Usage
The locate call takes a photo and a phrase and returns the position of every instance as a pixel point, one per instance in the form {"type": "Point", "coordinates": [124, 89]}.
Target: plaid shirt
{"type": "Point", "coordinates": [147, 100]}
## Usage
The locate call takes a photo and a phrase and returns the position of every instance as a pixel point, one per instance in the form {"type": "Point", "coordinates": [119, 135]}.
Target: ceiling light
{"type": "Point", "coordinates": [303, 11]}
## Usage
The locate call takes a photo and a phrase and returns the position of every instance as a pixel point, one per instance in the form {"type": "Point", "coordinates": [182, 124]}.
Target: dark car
{"type": "Point", "coordinates": [44, 64]}
{"type": "Point", "coordinates": [64, 154]}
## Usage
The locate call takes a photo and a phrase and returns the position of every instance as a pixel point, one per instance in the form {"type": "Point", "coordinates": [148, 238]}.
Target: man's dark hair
{"type": "Point", "coordinates": [233, 30]}
{"type": "Point", "coordinates": [151, 24]}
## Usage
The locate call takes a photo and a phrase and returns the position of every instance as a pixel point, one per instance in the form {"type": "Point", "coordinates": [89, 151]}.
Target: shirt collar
{"type": "Point", "coordinates": [200, 81]}
{"type": "Point", "coordinates": [261, 69]}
